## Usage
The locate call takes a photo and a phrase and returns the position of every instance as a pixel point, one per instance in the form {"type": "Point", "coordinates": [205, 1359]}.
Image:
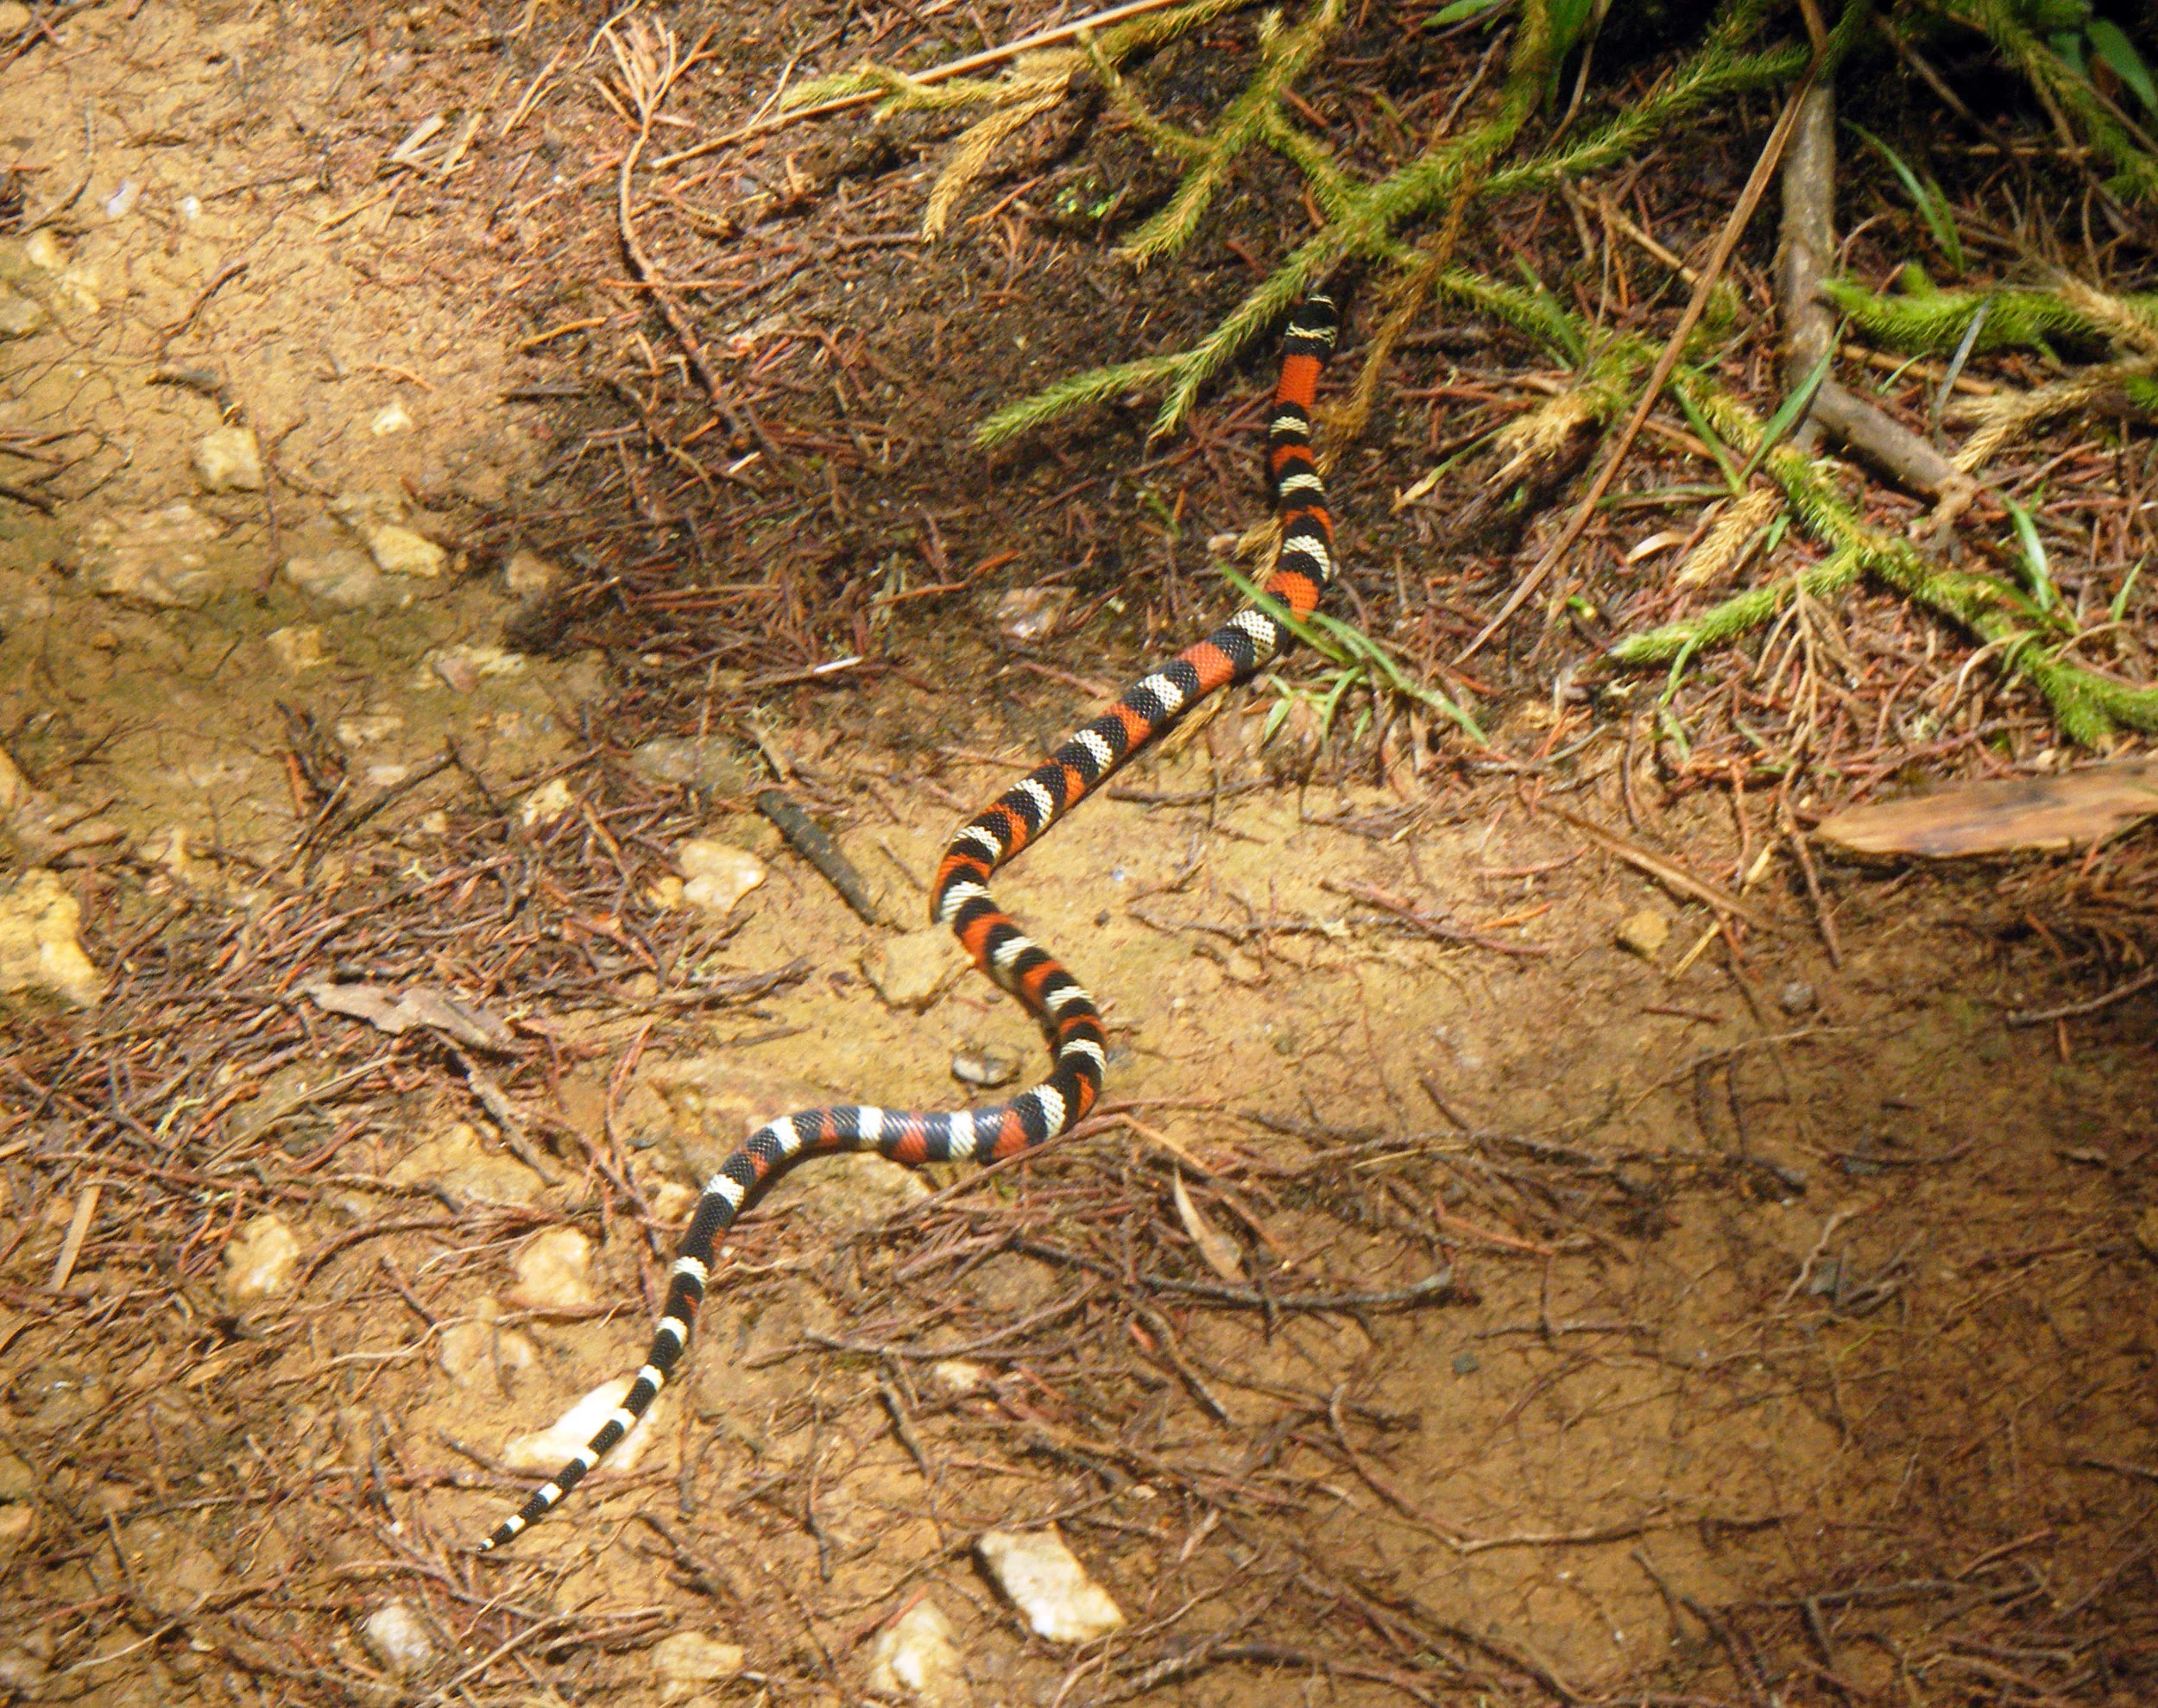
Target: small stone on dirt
{"type": "Point", "coordinates": [719, 874]}
{"type": "Point", "coordinates": [297, 648]}
{"type": "Point", "coordinates": [1026, 616]}
{"type": "Point", "coordinates": [554, 1271]}
{"type": "Point", "coordinates": [228, 460]}
{"type": "Point", "coordinates": [529, 576]}
{"type": "Point", "coordinates": [158, 558]}
{"type": "Point", "coordinates": [546, 1451]}
{"type": "Point", "coordinates": [1045, 1581]}
{"type": "Point", "coordinates": [917, 1656]}
{"type": "Point", "coordinates": [21, 1671]}
{"type": "Point", "coordinates": [14, 17]}
{"type": "Point", "coordinates": [392, 418]}
{"type": "Point", "coordinates": [985, 1067]}
{"type": "Point", "coordinates": [341, 577]}
{"type": "Point", "coordinates": [707, 763]}
{"type": "Point", "coordinates": [1798, 998]}
{"type": "Point", "coordinates": [912, 972]}
{"type": "Point", "coordinates": [40, 948]}
{"type": "Point", "coordinates": [400, 552]}
{"type": "Point", "coordinates": [457, 1162]}
{"type": "Point", "coordinates": [545, 804]}
{"type": "Point", "coordinates": [958, 1376]}
{"type": "Point", "coordinates": [364, 511]}
{"type": "Point", "coordinates": [19, 316]}
{"type": "Point", "coordinates": [690, 1658]}
{"type": "Point", "coordinates": [260, 1263]}
{"type": "Point", "coordinates": [1644, 933]}
{"type": "Point", "coordinates": [477, 1348]}
{"type": "Point", "coordinates": [398, 1638]}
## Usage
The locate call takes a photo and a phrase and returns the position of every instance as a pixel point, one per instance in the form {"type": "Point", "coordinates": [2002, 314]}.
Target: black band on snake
{"type": "Point", "coordinates": [1245, 644]}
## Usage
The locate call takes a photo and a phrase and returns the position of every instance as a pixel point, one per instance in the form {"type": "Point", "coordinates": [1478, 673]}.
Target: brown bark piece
{"type": "Point", "coordinates": [1977, 818]}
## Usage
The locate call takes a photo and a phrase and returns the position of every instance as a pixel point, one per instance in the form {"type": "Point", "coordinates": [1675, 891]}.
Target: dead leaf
{"type": "Point", "coordinates": [1215, 1246]}
{"type": "Point", "coordinates": [393, 1013]}
{"type": "Point", "coordinates": [1977, 818]}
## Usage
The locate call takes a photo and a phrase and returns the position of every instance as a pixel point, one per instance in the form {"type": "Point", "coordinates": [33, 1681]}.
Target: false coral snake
{"type": "Point", "coordinates": [961, 900]}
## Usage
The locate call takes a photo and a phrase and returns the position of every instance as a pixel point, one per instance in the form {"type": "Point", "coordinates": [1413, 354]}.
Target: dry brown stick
{"type": "Point", "coordinates": [1663, 870]}
{"type": "Point", "coordinates": [1727, 241]}
{"type": "Point", "coordinates": [2089, 1005]}
{"type": "Point", "coordinates": [1807, 257]}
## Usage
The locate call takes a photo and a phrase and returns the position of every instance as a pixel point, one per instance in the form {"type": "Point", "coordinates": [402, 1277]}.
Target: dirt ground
{"type": "Point", "coordinates": [1495, 1274]}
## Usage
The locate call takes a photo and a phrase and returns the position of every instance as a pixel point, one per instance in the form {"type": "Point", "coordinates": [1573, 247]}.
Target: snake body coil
{"type": "Point", "coordinates": [961, 900]}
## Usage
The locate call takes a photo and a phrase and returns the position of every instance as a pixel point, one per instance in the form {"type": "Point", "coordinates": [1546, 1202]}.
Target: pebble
{"type": "Point", "coordinates": [40, 948]}
{"type": "Point", "coordinates": [400, 552]}
{"type": "Point", "coordinates": [960, 1376]}
{"type": "Point", "coordinates": [1026, 616]}
{"type": "Point", "coordinates": [1045, 1581]}
{"type": "Point", "coordinates": [1644, 933]}
{"type": "Point", "coordinates": [14, 17]}
{"type": "Point", "coordinates": [458, 1164]}
{"type": "Point", "coordinates": [343, 577]}
{"type": "Point", "coordinates": [393, 418]}
{"type": "Point", "coordinates": [918, 1655]}
{"type": "Point", "coordinates": [529, 576]}
{"type": "Point", "coordinates": [986, 1066]}
{"type": "Point", "coordinates": [543, 1452]}
{"type": "Point", "coordinates": [912, 972]}
{"type": "Point", "coordinates": [158, 558]}
{"type": "Point", "coordinates": [553, 1271]}
{"type": "Point", "coordinates": [260, 1263]}
{"type": "Point", "coordinates": [709, 763]}
{"type": "Point", "coordinates": [545, 804]}
{"type": "Point", "coordinates": [719, 874]}
{"type": "Point", "coordinates": [690, 1658]}
{"type": "Point", "coordinates": [1798, 998]}
{"type": "Point", "coordinates": [20, 317]}
{"type": "Point", "coordinates": [228, 460]}
{"type": "Point", "coordinates": [398, 1638]}
{"type": "Point", "coordinates": [297, 648]}
{"type": "Point", "coordinates": [477, 1348]}
{"type": "Point", "coordinates": [464, 666]}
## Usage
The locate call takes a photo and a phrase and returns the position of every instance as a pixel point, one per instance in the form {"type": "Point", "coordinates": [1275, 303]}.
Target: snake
{"type": "Point", "coordinates": [960, 901]}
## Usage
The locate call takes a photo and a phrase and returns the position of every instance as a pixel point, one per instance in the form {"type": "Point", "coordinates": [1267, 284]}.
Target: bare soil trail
{"type": "Point", "coordinates": [1552, 1236]}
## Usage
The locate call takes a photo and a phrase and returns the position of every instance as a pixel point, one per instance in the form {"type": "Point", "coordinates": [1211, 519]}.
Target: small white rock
{"type": "Point", "coordinates": [719, 875]}
{"type": "Point", "coordinates": [960, 1376]}
{"type": "Point", "coordinates": [259, 1263]}
{"type": "Point", "coordinates": [477, 1348]}
{"type": "Point", "coordinates": [400, 552]}
{"type": "Point", "coordinates": [392, 418]}
{"type": "Point", "coordinates": [545, 804]}
{"type": "Point", "coordinates": [121, 202]}
{"type": "Point", "coordinates": [40, 945]}
{"type": "Point", "coordinates": [297, 648]}
{"type": "Point", "coordinates": [547, 1451]}
{"type": "Point", "coordinates": [912, 972]}
{"type": "Point", "coordinates": [19, 316]}
{"type": "Point", "coordinates": [228, 460]}
{"type": "Point", "coordinates": [690, 1658]}
{"type": "Point", "coordinates": [1644, 932]}
{"type": "Point", "coordinates": [341, 577]}
{"type": "Point", "coordinates": [1045, 1581]}
{"type": "Point", "coordinates": [918, 1655]}
{"type": "Point", "coordinates": [158, 558]}
{"type": "Point", "coordinates": [554, 1271]}
{"type": "Point", "coordinates": [398, 1638]}
{"type": "Point", "coordinates": [527, 575]}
